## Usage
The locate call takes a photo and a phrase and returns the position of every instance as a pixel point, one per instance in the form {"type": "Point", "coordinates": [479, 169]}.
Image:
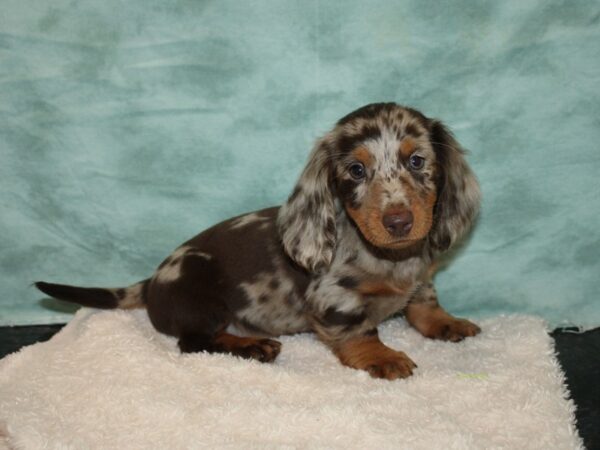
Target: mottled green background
{"type": "Point", "coordinates": [128, 126]}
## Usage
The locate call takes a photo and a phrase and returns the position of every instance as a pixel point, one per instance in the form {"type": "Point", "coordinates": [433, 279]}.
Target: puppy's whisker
{"type": "Point", "coordinates": [444, 144]}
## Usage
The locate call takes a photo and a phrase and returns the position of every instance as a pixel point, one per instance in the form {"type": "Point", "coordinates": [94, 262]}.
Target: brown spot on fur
{"type": "Point", "coordinates": [368, 353]}
{"type": "Point", "coordinates": [351, 258]}
{"type": "Point", "coordinates": [381, 288]}
{"type": "Point", "coordinates": [432, 321]}
{"type": "Point", "coordinates": [348, 282]}
{"type": "Point", "coordinates": [411, 129]}
{"type": "Point", "coordinates": [363, 155]}
{"type": "Point", "coordinates": [407, 147]}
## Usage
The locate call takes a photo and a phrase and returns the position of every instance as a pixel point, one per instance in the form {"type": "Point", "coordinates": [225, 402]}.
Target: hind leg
{"type": "Point", "coordinates": [185, 299]}
{"type": "Point", "coordinates": [263, 350]}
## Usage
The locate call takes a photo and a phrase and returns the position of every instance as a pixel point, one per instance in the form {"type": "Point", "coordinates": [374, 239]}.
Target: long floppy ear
{"type": "Point", "coordinates": [306, 222]}
{"type": "Point", "coordinates": [458, 191]}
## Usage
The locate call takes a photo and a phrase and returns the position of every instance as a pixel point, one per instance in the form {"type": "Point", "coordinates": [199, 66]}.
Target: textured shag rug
{"type": "Point", "coordinates": [108, 380]}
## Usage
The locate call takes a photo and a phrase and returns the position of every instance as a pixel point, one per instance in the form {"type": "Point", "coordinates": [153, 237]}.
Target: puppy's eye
{"type": "Point", "coordinates": [416, 162]}
{"type": "Point", "coordinates": [357, 171]}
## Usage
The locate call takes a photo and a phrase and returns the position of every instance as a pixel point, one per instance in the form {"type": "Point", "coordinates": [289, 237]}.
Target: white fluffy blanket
{"type": "Point", "coordinates": [109, 381]}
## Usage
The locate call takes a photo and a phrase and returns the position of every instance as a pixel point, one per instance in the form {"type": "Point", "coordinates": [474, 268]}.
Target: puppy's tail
{"type": "Point", "coordinates": [104, 298]}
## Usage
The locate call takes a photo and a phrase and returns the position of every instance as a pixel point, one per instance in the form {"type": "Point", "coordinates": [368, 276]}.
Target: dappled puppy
{"type": "Point", "coordinates": [383, 195]}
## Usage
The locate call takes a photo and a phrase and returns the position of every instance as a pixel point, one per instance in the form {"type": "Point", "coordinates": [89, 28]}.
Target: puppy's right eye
{"type": "Point", "coordinates": [357, 171]}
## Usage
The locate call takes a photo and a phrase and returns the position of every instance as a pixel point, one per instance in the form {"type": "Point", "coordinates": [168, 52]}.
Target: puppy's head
{"type": "Point", "coordinates": [399, 176]}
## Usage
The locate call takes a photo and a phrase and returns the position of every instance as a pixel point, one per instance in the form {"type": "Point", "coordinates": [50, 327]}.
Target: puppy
{"type": "Point", "coordinates": [384, 194]}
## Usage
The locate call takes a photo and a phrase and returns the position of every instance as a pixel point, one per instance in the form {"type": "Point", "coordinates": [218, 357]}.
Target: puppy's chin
{"type": "Point", "coordinates": [390, 248]}
{"type": "Point", "coordinates": [394, 243]}
{"type": "Point", "coordinates": [401, 244]}
{"type": "Point", "coordinates": [381, 239]}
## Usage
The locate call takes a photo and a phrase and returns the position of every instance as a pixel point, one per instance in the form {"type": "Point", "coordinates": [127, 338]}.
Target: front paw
{"type": "Point", "coordinates": [453, 330]}
{"type": "Point", "coordinates": [370, 354]}
{"type": "Point", "coordinates": [391, 367]}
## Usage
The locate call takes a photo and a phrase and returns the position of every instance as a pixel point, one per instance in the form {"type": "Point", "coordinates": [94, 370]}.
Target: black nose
{"type": "Point", "coordinates": [398, 223]}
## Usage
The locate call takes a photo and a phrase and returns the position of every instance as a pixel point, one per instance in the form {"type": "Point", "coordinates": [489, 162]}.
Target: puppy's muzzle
{"type": "Point", "coordinates": [398, 223]}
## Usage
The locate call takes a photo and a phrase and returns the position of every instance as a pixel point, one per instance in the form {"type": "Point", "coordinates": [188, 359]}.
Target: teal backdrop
{"type": "Point", "coordinates": [126, 127]}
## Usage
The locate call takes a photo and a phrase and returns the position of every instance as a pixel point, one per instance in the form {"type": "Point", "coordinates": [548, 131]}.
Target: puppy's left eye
{"type": "Point", "coordinates": [416, 162]}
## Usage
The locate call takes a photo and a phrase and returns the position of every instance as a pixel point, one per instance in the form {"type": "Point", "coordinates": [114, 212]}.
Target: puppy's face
{"type": "Point", "coordinates": [400, 177]}
{"type": "Point", "coordinates": [385, 174]}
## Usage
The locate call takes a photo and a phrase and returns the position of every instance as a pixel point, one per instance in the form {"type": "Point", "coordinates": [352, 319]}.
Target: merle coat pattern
{"type": "Point", "coordinates": [384, 194]}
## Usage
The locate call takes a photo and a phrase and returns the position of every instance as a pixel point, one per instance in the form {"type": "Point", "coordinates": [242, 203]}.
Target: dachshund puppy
{"type": "Point", "coordinates": [384, 194]}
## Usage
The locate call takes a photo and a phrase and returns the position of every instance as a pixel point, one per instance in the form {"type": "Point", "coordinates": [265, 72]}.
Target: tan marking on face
{"type": "Point", "coordinates": [363, 155]}
{"type": "Point", "coordinates": [368, 217]}
{"type": "Point", "coordinates": [422, 209]}
{"type": "Point", "coordinates": [407, 147]}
